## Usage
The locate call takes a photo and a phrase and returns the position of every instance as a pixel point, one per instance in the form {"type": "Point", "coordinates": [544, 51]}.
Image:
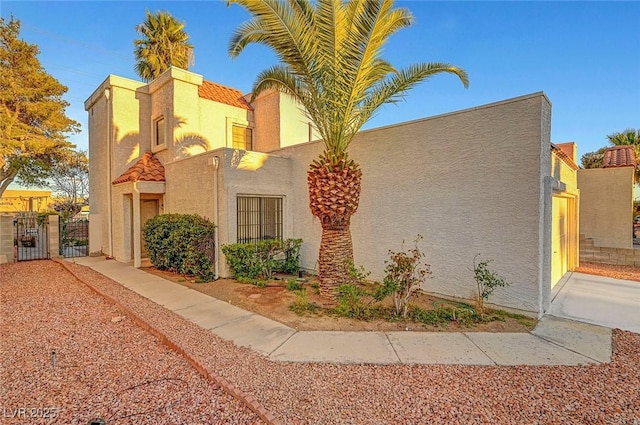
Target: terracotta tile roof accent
{"type": "Point", "coordinates": [146, 169]}
{"type": "Point", "coordinates": [223, 94]}
{"type": "Point", "coordinates": [568, 148]}
{"type": "Point", "coordinates": [619, 156]}
{"type": "Point", "coordinates": [562, 154]}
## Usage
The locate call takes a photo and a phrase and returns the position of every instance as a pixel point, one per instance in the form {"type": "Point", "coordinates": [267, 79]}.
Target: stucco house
{"type": "Point", "coordinates": [482, 181]}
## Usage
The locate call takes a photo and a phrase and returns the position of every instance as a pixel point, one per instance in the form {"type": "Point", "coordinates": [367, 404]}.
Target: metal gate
{"type": "Point", "coordinates": [31, 240]}
{"type": "Point", "coordinates": [74, 238]}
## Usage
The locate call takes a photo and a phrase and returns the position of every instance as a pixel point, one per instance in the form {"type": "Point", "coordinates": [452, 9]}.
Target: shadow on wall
{"type": "Point", "coordinates": [248, 160]}
{"type": "Point", "coordinates": [190, 144]}
{"type": "Point", "coordinates": [186, 145]}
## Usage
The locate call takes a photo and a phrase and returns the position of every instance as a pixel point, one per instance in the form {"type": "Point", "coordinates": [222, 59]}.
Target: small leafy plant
{"type": "Point", "coordinates": [302, 305]}
{"type": "Point", "coordinates": [487, 281]}
{"type": "Point", "coordinates": [356, 297]}
{"type": "Point", "coordinates": [404, 273]}
{"type": "Point", "coordinates": [293, 285]}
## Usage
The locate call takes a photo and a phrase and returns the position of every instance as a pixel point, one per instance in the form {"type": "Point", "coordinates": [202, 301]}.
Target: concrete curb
{"type": "Point", "coordinates": [226, 385]}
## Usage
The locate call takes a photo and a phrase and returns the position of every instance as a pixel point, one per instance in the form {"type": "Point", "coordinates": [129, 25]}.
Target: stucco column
{"type": "Point", "coordinates": [137, 255]}
{"type": "Point", "coordinates": [54, 236]}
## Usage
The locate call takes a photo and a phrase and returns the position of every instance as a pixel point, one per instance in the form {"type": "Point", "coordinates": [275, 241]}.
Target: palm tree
{"type": "Point", "coordinates": [164, 44]}
{"type": "Point", "coordinates": [330, 62]}
{"type": "Point", "coordinates": [628, 137]}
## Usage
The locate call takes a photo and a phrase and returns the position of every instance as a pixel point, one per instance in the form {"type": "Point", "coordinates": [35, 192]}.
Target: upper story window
{"type": "Point", "coordinates": [242, 137]}
{"type": "Point", "coordinates": [160, 132]}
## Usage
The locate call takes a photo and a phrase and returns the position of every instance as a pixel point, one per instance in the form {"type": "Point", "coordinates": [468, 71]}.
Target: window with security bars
{"type": "Point", "coordinates": [259, 218]}
{"type": "Point", "coordinates": [242, 138]}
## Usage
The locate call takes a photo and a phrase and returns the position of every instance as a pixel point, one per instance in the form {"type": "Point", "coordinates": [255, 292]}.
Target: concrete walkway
{"type": "Point", "coordinates": [555, 341]}
{"type": "Point", "coordinates": [613, 303]}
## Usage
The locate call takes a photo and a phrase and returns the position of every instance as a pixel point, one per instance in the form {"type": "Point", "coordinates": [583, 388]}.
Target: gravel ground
{"type": "Point", "coordinates": [105, 366]}
{"type": "Point", "coordinates": [610, 270]}
{"type": "Point", "coordinates": [364, 394]}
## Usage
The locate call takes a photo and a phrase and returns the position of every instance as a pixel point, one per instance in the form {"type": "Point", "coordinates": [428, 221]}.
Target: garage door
{"type": "Point", "coordinates": [559, 236]}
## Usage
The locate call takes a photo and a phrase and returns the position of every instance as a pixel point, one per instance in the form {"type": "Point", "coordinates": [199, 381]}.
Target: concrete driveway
{"type": "Point", "coordinates": [613, 303]}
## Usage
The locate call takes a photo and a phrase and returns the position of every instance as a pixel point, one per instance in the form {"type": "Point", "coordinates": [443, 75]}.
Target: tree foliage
{"type": "Point", "coordinates": [164, 43]}
{"type": "Point", "coordinates": [626, 137]}
{"type": "Point", "coordinates": [69, 180]}
{"type": "Point", "coordinates": [331, 60]}
{"type": "Point", "coordinates": [33, 123]}
{"type": "Point", "coordinates": [593, 159]}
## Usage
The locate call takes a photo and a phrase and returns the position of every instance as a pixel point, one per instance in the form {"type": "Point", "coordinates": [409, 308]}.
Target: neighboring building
{"type": "Point", "coordinates": [479, 181]}
{"type": "Point", "coordinates": [564, 210]}
{"type": "Point", "coordinates": [606, 208]}
{"type": "Point", "coordinates": [18, 200]}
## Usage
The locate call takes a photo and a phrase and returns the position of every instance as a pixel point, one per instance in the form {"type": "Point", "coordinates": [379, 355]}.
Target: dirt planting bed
{"type": "Point", "coordinates": [274, 301]}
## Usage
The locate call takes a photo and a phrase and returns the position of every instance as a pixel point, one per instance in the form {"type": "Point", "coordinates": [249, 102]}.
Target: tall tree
{"type": "Point", "coordinates": [33, 123]}
{"type": "Point", "coordinates": [164, 44]}
{"type": "Point", "coordinates": [626, 137]}
{"type": "Point", "coordinates": [70, 181]}
{"type": "Point", "coordinates": [330, 54]}
{"type": "Point", "coordinates": [593, 159]}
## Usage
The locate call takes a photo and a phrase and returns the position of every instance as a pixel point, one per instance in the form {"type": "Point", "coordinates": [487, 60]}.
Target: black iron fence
{"type": "Point", "coordinates": [74, 237]}
{"type": "Point", "coordinates": [31, 237]}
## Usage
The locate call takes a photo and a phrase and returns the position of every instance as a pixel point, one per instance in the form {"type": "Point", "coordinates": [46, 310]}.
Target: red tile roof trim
{"type": "Point", "coordinates": [563, 156]}
{"type": "Point", "coordinates": [223, 94]}
{"type": "Point", "coordinates": [619, 156]}
{"type": "Point", "coordinates": [146, 169]}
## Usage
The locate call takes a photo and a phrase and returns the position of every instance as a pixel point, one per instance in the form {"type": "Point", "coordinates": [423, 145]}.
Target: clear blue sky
{"type": "Point", "coordinates": [584, 55]}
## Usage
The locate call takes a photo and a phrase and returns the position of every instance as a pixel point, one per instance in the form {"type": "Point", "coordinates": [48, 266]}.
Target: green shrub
{"type": "Point", "coordinates": [404, 274]}
{"type": "Point", "coordinates": [293, 285]}
{"type": "Point", "coordinates": [243, 260]}
{"type": "Point", "coordinates": [302, 305]}
{"type": "Point", "coordinates": [251, 260]}
{"type": "Point", "coordinates": [487, 281]}
{"type": "Point", "coordinates": [182, 243]}
{"type": "Point", "coordinates": [357, 298]}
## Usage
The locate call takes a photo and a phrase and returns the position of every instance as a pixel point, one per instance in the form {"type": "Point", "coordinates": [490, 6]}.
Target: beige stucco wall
{"type": "Point", "coordinates": [606, 206]}
{"type": "Point", "coordinates": [7, 235]}
{"type": "Point", "coordinates": [267, 119]}
{"type": "Point", "coordinates": [280, 122]}
{"type": "Point", "coordinates": [475, 181]}
{"type": "Point", "coordinates": [115, 140]}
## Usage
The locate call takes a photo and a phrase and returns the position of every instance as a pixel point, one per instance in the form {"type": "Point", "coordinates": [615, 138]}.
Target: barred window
{"type": "Point", "coordinates": [242, 138]}
{"type": "Point", "coordinates": [259, 218]}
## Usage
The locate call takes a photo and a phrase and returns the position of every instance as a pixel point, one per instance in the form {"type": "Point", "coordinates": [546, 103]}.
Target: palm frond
{"type": "Point", "coordinates": [331, 55]}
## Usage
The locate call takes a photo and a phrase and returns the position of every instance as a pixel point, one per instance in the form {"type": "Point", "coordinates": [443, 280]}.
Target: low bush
{"type": "Point", "coordinates": [358, 298]}
{"type": "Point", "coordinates": [182, 243]}
{"type": "Point", "coordinates": [487, 281]}
{"type": "Point", "coordinates": [264, 258]}
{"type": "Point", "coordinates": [404, 273]}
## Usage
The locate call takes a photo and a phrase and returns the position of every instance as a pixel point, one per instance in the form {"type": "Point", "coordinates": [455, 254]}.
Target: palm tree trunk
{"type": "Point", "coordinates": [334, 194]}
{"type": "Point", "coordinates": [336, 248]}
